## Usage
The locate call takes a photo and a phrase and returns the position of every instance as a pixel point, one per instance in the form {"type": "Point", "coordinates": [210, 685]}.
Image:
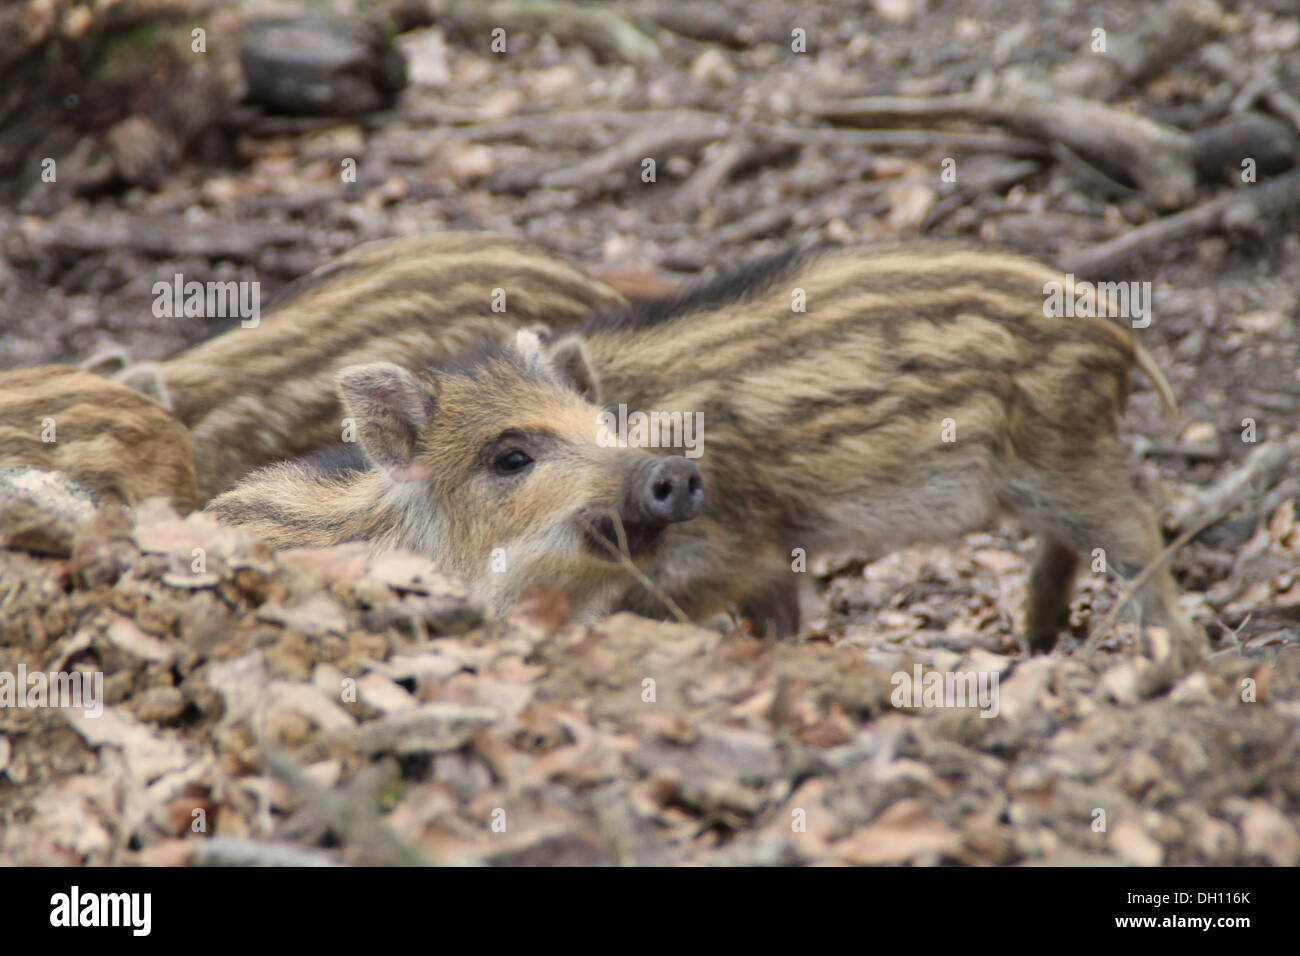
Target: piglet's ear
{"type": "Point", "coordinates": [528, 342]}
{"type": "Point", "coordinates": [390, 410]}
{"type": "Point", "coordinates": [568, 357]}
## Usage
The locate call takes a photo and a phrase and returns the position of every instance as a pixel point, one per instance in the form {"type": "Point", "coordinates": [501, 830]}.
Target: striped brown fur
{"type": "Point", "coordinates": [260, 394]}
{"type": "Point", "coordinates": [823, 428]}
{"type": "Point", "coordinates": [434, 444]}
{"type": "Point", "coordinates": [826, 427]}
{"type": "Point", "coordinates": [120, 444]}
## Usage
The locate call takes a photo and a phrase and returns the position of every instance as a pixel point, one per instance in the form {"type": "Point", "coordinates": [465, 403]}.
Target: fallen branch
{"type": "Point", "coordinates": [603, 30]}
{"type": "Point", "coordinates": [543, 125]}
{"type": "Point", "coordinates": [1261, 469]}
{"type": "Point", "coordinates": [889, 110]}
{"type": "Point", "coordinates": [625, 156]}
{"type": "Point", "coordinates": [1254, 476]}
{"type": "Point", "coordinates": [715, 170]}
{"type": "Point", "coordinates": [241, 241]}
{"type": "Point", "coordinates": [899, 139]}
{"type": "Point", "coordinates": [1234, 210]}
{"type": "Point", "coordinates": [1066, 106]}
{"type": "Point", "coordinates": [1158, 158]}
{"type": "Point", "coordinates": [704, 21]}
{"type": "Point", "coordinates": [688, 130]}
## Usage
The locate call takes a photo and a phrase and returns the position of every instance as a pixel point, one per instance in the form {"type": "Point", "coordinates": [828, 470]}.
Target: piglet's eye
{"type": "Point", "coordinates": [512, 462]}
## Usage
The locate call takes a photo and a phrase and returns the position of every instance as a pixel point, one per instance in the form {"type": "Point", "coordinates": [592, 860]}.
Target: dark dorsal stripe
{"type": "Point", "coordinates": [732, 286]}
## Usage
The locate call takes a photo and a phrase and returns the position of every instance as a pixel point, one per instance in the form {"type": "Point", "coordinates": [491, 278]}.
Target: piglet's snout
{"type": "Point", "coordinates": [670, 490]}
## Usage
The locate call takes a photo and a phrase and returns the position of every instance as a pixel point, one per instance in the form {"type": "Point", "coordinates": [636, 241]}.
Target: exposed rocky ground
{"type": "Point", "coordinates": [320, 706]}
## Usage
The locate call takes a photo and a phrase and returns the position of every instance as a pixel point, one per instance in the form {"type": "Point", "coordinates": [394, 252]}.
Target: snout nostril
{"type": "Point", "coordinates": [670, 490]}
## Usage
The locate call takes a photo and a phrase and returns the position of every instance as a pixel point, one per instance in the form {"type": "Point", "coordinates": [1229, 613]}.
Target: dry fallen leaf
{"type": "Point", "coordinates": [906, 832]}
{"type": "Point", "coordinates": [1267, 832]}
{"type": "Point", "coordinates": [149, 753]}
{"type": "Point", "coordinates": [1130, 841]}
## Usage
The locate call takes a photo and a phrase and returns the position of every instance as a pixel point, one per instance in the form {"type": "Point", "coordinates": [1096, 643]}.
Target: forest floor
{"type": "Point", "coordinates": [524, 741]}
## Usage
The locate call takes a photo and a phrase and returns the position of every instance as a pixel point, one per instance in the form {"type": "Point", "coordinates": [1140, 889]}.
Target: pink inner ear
{"type": "Point", "coordinates": [388, 397]}
{"type": "Point", "coordinates": [412, 471]}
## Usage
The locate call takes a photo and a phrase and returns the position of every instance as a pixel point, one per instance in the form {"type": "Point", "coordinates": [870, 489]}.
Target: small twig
{"type": "Point", "coordinates": [760, 223]}
{"type": "Point", "coordinates": [545, 125]}
{"type": "Point", "coordinates": [1090, 173]}
{"type": "Point", "coordinates": [239, 851]}
{"type": "Point", "coordinates": [885, 110]}
{"type": "Point", "coordinates": [1235, 634]}
{"type": "Point", "coordinates": [980, 178]}
{"type": "Point", "coordinates": [1157, 449]}
{"type": "Point", "coordinates": [715, 169]}
{"type": "Point", "coordinates": [1101, 630]}
{"type": "Point", "coordinates": [1285, 400]}
{"type": "Point", "coordinates": [624, 556]}
{"type": "Point", "coordinates": [1264, 82]}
